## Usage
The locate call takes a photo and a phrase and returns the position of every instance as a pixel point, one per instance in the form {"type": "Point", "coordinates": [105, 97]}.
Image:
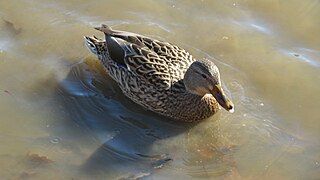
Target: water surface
{"type": "Point", "coordinates": [62, 117]}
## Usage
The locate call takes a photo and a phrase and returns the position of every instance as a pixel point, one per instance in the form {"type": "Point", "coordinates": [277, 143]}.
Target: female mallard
{"type": "Point", "coordinates": [160, 76]}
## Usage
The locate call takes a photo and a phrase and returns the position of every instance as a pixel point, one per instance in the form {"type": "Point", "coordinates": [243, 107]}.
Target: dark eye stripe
{"type": "Point", "coordinates": [204, 76]}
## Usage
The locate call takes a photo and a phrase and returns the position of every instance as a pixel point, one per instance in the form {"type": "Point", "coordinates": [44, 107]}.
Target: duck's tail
{"type": "Point", "coordinates": [126, 36]}
{"type": "Point", "coordinates": [106, 30]}
{"type": "Point", "coordinates": [95, 45]}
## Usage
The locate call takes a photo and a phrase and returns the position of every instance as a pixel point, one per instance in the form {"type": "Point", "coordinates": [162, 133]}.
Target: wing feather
{"type": "Point", "coordinates": [159, 63]}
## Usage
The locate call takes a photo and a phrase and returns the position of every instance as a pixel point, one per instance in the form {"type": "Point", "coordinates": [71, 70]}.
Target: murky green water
{"type": "Point", "coordinates": [62, 117]}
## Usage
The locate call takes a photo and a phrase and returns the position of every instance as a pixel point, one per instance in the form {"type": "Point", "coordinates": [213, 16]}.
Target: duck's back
{"type": "Point", "coordinates": [159, 63]}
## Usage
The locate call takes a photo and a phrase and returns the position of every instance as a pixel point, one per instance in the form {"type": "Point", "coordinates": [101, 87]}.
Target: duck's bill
{"type": "Point", "coordinates": [222, 99]}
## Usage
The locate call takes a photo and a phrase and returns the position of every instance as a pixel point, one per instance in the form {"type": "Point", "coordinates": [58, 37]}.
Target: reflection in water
{"type": "Point", "coordinates": [62, 117]}
{"type": "Point", "coordinates": [125, 134]}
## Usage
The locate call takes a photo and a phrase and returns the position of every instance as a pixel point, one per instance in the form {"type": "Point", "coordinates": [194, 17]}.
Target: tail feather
{"type": "Point", "coordinates": [105, 29]}
{"type": "Point", "coordinates": [126, 36]}
{"type": "Point", "coordinates": [94, 44]}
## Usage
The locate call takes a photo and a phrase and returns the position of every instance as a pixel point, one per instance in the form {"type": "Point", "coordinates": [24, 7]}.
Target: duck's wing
{"type": "Point", "coordinates": [177, 59]}
{"type": "Point", "coordinates": [158, 62]}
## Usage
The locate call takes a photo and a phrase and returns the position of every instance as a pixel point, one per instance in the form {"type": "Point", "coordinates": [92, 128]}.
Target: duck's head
{"type": "Point", "coordinates": [203, 77]}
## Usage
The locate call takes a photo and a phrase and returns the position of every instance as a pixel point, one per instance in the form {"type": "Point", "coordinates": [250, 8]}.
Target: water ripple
{"type": "Point", "coordinates": [310, 56]}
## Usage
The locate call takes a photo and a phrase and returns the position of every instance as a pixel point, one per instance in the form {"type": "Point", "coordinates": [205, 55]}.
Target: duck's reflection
{"type": "Point", "coordinates": [124, 130]}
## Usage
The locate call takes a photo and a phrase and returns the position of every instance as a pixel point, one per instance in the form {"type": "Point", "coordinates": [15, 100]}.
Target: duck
{"type": "Point", "coordinates": [160, 76]}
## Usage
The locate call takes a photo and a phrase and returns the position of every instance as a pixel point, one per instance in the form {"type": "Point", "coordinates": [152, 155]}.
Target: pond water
{"type": "Point", "coordinates": [62, 117]}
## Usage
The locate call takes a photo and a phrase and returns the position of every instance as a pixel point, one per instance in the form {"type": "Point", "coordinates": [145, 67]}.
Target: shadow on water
{"type": "Point", "coordinates": [122, 131]}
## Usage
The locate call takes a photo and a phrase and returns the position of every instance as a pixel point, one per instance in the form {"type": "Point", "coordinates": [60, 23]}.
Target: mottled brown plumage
{"type": "Point", "coordinates": [160, 76]}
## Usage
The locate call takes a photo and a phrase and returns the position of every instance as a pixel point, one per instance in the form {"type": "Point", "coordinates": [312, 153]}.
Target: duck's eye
{"type": "Point", "coordinates": [204, 76]}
